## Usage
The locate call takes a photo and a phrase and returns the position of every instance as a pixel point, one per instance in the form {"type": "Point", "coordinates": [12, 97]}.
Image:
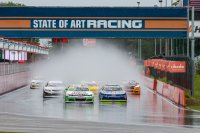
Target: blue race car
{"type": "Point", "coordinates": [112, 93]}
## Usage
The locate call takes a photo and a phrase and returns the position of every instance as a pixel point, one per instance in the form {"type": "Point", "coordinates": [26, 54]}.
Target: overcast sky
{"type": "Point", "coordinates": [88, 2]}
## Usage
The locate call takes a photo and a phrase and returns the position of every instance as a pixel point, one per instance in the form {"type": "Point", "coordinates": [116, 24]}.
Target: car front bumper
{"type": "Point", "coordinates": [51, 93]}
{"type": "Point", "coordinates": [35, 86]}
{"type": "Point", "coordinates": [108, 98]}
{"type": "Point", "coordinates": [77, 98]}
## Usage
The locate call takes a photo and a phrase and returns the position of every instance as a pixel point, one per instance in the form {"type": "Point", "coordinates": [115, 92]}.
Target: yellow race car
{"type": "Point", "coordinates": [133, 87]}
{"type": "Point", "coordinates": [92, 86]}
{"type": "Point", "coordinates": [136, 90]}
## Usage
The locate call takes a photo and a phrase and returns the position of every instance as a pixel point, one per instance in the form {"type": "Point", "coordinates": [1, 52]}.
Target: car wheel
{"type": "Point", "coordinates": [100, 97]}
{"type": "Point", "coordinates": [44, 95]}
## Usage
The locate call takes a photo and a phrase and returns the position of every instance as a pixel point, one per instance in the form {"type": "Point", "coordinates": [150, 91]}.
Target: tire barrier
{"type": "Point", "coordinates": [174, 94]}
{"type": "Point", "coordinates": [13, 81]}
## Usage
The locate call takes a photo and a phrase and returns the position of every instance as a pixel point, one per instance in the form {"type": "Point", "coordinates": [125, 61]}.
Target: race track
{"type": "Point", "coordinates": [146, 109]}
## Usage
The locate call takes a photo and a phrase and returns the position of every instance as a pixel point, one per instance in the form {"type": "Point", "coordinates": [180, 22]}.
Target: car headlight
{"type": "Point", "coordinates": [137, 86]}
{"type": "Point", "coordinates": [48, 90]}
{"type": "Point", "coordinates": [102, 93]}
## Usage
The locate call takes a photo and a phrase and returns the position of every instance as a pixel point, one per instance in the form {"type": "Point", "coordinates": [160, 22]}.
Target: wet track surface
{"type": "Point", "coordinates": [148, 108]}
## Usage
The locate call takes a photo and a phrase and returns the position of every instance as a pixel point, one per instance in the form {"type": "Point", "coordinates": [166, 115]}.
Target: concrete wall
{"type": "Point", "coordinates": [13, 81]}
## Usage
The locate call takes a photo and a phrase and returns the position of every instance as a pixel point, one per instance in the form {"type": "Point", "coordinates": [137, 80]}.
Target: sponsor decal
{"type": "Point", "coordinates": [196, 4]}
{"type": "Point", "coordinates": [86, 24]}
{"type": "Point", "coordinates": [177, 66]}
{"type": "Point", "coordinates": [169, 66]}
{"type": "Point", "coordinates": [196, 29]}
{"type": "Point", "coordinates": [89, 42]}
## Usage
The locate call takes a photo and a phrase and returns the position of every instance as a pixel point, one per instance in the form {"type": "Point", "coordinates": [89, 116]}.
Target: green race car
{"type": "Point", "coordinates": [78, 94]}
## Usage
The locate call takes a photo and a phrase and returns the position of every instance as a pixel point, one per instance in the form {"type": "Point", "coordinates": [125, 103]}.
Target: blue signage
{"type": "Point", "coordinates": [93, 22]}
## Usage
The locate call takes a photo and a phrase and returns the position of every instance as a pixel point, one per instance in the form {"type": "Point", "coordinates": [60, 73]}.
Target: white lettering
{"type": "Point", "coordinates": [112, 24]}
{"type": "Point", "coordinates": [137, 24]}
{"type": "Point", "coordinates": [63, 23]}
{"type": "Point", "coordinates": [44, 23]}
{"type": "Point", "coordinates": [54, 24]}
{"type": "Point", "coordinates": [78, 23]}
{"type": "Point", "coordinates": [83, 23]}
{"type": "Point", "coordinates": [126, 24]}
{"type": "Point", "coordinates": [35, 24]}
{"type": "Point", "coordinates": [73, 24]}
{"type": "Point", "coordinates": [91, 24]}
{"type": "Point", "coordinates": [102, 24]}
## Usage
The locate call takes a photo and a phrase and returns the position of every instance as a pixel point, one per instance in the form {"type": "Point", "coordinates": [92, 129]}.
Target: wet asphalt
{"type": "Point", "coordinates": [146, 109]}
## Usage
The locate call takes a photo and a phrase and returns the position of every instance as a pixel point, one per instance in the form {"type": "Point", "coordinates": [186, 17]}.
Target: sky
{"type": "Point", "coordinates": [88, 2]}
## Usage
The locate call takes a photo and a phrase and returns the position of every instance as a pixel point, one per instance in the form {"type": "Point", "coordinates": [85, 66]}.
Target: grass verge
{"type": "Point", "coordinates": [8, 132]}
{"type": "Point", "coordinates": [194, 102]}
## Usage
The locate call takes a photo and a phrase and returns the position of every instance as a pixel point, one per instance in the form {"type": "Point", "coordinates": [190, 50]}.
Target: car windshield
{"type": "Point", "coordinates": [55, 85]}
{"type": "Point", "coordinates": [91, 84]}
{"type": "Point", "coordinates": [81, 89]}
{"type": "Point", "coordinates": [36, 81]}
{"type": "Point", "coordinates": [112, 88]}
{"type": "Point", "coordinates": [133, 83]}
{"type": "Point", "coordinates": [71, 89]}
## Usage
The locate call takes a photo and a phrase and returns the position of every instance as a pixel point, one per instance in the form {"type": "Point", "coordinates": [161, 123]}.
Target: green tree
{"type": "Point", "coordinates": [11, 4]}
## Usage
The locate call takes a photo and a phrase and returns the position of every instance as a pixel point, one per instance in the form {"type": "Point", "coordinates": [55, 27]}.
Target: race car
{"type": "Point", "coordinates": [53, 88]}
{"type": "Point", "coordinates": [133, 87]}
{"type": "Point", "coordinates": [78, 93]}
{"type": "Point", "coordinates": [113, 93]}
{"type": "Point", "coordinates": [92, 86]}
{"type": "Point", "coordinates": [36, 84]}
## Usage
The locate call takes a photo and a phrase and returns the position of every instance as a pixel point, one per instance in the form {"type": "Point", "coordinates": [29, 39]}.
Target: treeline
{"type": "Point", "coordinates": [11, 4]}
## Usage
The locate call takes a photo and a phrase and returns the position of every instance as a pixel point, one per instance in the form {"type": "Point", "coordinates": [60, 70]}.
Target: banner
{"type": "Point", "coordinates": [160, 64]}
{"type": "Point", "coordinates": [196, 29]}
{"type": "Point", "coordinates": [89, 42]}
{"type": "Point", "coordinates": [165, 65]}
{"type": "Point", "coordinates": [196, 4]}
{"type": "Point", "coordinates": [156, 61]}
{"type": "Point", "coordinates": [93, 22]}
{"type": "Point", "coordinates": [177, 66]}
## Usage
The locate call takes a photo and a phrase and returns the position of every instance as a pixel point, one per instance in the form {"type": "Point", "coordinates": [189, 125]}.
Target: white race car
{"type": "Point", "coordinates": [53, 88]}
{"type": "Point", "coordinates": [36, 84]}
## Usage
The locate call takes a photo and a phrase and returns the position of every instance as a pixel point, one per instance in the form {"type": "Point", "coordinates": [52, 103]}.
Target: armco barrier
{"type": "Point", "coordinates": [182, 99]}
{"type": "Point", "coordinates": [171, 92]}
{"type": "Point", "coordinates": [149, 82]}
{"type": "Point", "coordinates": [159, 87]}
{"type": "Point", "coordinates": [174, 94]}
{"type": "Point", "coordinates": [13, 81]}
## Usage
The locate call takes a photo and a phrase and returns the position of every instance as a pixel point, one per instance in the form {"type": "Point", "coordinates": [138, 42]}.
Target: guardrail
{"type": "Point", "coordinates": [173, 93]}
